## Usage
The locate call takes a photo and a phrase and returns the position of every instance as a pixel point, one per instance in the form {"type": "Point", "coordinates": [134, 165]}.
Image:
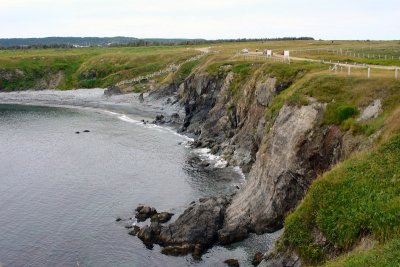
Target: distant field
{"type": "Point", "coordinates": [102, 67]}
{"type": "Point", "coordinates": [385, 53]}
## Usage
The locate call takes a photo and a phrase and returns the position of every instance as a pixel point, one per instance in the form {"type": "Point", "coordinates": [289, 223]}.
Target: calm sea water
{"type": "Point", "coordinates": [60, 192]}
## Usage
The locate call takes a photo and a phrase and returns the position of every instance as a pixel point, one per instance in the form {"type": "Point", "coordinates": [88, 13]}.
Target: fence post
{"type": "Point", "coordinates": [349, 71]}
{"type": "Point", "coordinates": [369, 72]}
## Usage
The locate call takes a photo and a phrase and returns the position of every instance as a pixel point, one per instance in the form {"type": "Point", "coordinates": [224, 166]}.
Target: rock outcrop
{"type": "Point", "coordinates": [193, 232]}
{"type": "Point", "coordinates": [296, 149]}
{"type": "Point", "coordinates": [284, 259]}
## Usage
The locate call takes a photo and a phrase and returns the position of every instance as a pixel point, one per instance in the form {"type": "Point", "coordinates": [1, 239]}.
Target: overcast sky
{"type": "Point", "coordinates": [210, 19]}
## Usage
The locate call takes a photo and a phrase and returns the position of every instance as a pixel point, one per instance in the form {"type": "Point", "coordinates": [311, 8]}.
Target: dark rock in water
{"type": "Point", "coordinates": [118, 219]}
{"type": "Point", "coordinates": [164, 217]}
{"type": "Point", "coordinates": [175, 118]}
{"type": "Point", "coordinates": [160, 119]}
{"type": "Point", "coordinates": [77, 132]}
{"type": "Point", "coordinates": [149, 233]}
{"type": "Point", "coordinates": [197, 252]}
{"type": "Point", "coordinates": [112, 90]}
{"type": "Point", "coordinates": [144, 212]}
{"type": "Point", "coordinates": [178, 250]}
{"type": "Point", "coordinates": [135, 230]}
{"type": "Point", "coordinates": [193, 232]}
{"type": "Point", "coordinates": [204, 164]}
{"type": "Point", "coordinates": [232, 263]}
{"type": "Point", "coordinates": [128, 226]}
{"type": "Point", "coordinates": [141, 98]}
{"type": "Point", "coordinates": [86, 131]}
{"type": "Point", "coordinates": [258, 257]}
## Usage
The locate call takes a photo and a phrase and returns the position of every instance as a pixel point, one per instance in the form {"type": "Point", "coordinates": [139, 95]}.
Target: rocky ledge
{"type": "Point", "coordinates": [193, 232]}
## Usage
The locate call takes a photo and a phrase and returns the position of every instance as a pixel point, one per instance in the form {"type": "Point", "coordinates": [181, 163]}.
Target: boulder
{"type": "Point", "coordinates": [160, 119]}
{"type": "Point", "coordinates": [372, 111]}
{"type": "Point", "coordinates": [144, 212]}
{"type": "Point", "coordinates": [141, 98]}
{"type": "Point", "coordinates": [112, 90]}
{"type": "Point", "coordinates": [193, 232]}
{"type": "Point", "coordinates": [164, 217]}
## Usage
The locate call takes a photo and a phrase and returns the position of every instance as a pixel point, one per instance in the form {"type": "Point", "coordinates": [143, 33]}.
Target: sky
{"type": "Point", "coordinates": [209, 19]}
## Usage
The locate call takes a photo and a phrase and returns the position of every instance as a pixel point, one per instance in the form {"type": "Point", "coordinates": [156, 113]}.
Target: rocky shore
{"type": "Point", "coordinates": [281, 155]}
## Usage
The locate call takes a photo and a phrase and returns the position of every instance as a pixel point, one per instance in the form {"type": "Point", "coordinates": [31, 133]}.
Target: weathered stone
{"type": "Point", "coordinates": [258, 257]}
{"type": "Point", "coordinates": [144, 212]}
{"type": "Point", "coordinates": [135, 230]}
{"type": "Point", "coordinates": [372, 111]}
{"type": "Point", "coordinates": [194, 231]}
{"type": "Point", "coordinates": [293, 153]}
{"type": "Point", "coordinates": [232, 263]}
{"type": "Point", "coordinates": [282, 259]}
{"type": "Point", "coordinates": [112, 90]}
{"type": "Point", "coordinates": [178, 250]}
{"type": "Point", "coordinates": [164, 217]}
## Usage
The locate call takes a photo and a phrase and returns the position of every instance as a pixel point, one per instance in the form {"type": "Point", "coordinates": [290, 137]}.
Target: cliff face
{"type": "Point", "coordinates": [282, 162]}
{"type": "Point", "coordinates": [231, 128]}
{"type": "Point", "coordinates": [292, 154]}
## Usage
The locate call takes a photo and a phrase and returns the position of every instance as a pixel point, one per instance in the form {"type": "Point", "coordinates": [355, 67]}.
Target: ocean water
{"type": "Point", "coordinates": [60, 192]}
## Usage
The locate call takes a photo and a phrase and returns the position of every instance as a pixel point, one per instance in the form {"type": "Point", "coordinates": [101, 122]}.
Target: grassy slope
{"type": "Point", "coordinates": [110, 65]}
{"type": "Point", "coordinates": [101, 67]}
{"type": "Point", "coordinates": [357, 198]}
{"type": "Point", "coordinates": [387, 255]}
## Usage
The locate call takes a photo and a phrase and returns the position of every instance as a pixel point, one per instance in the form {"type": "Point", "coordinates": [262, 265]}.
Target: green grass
{"type": "Point", "coordinates": [387, 255]}
{"type": "Point", "coordinates": [359, 197]}
{"type": "Point", "coordinates": [88, 67]}
{"type": "Point", "coordinates": [184, 71]}
{"type": "Point", "coordinates": [346, 96]}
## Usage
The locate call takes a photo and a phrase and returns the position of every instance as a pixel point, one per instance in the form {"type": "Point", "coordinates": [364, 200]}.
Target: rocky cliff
{"type": "Point", "coordinates": [281, 154]}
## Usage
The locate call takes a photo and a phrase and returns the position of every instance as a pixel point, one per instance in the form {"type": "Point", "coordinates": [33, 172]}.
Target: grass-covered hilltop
{"type": "Point", "coordinates": [319, 138]}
